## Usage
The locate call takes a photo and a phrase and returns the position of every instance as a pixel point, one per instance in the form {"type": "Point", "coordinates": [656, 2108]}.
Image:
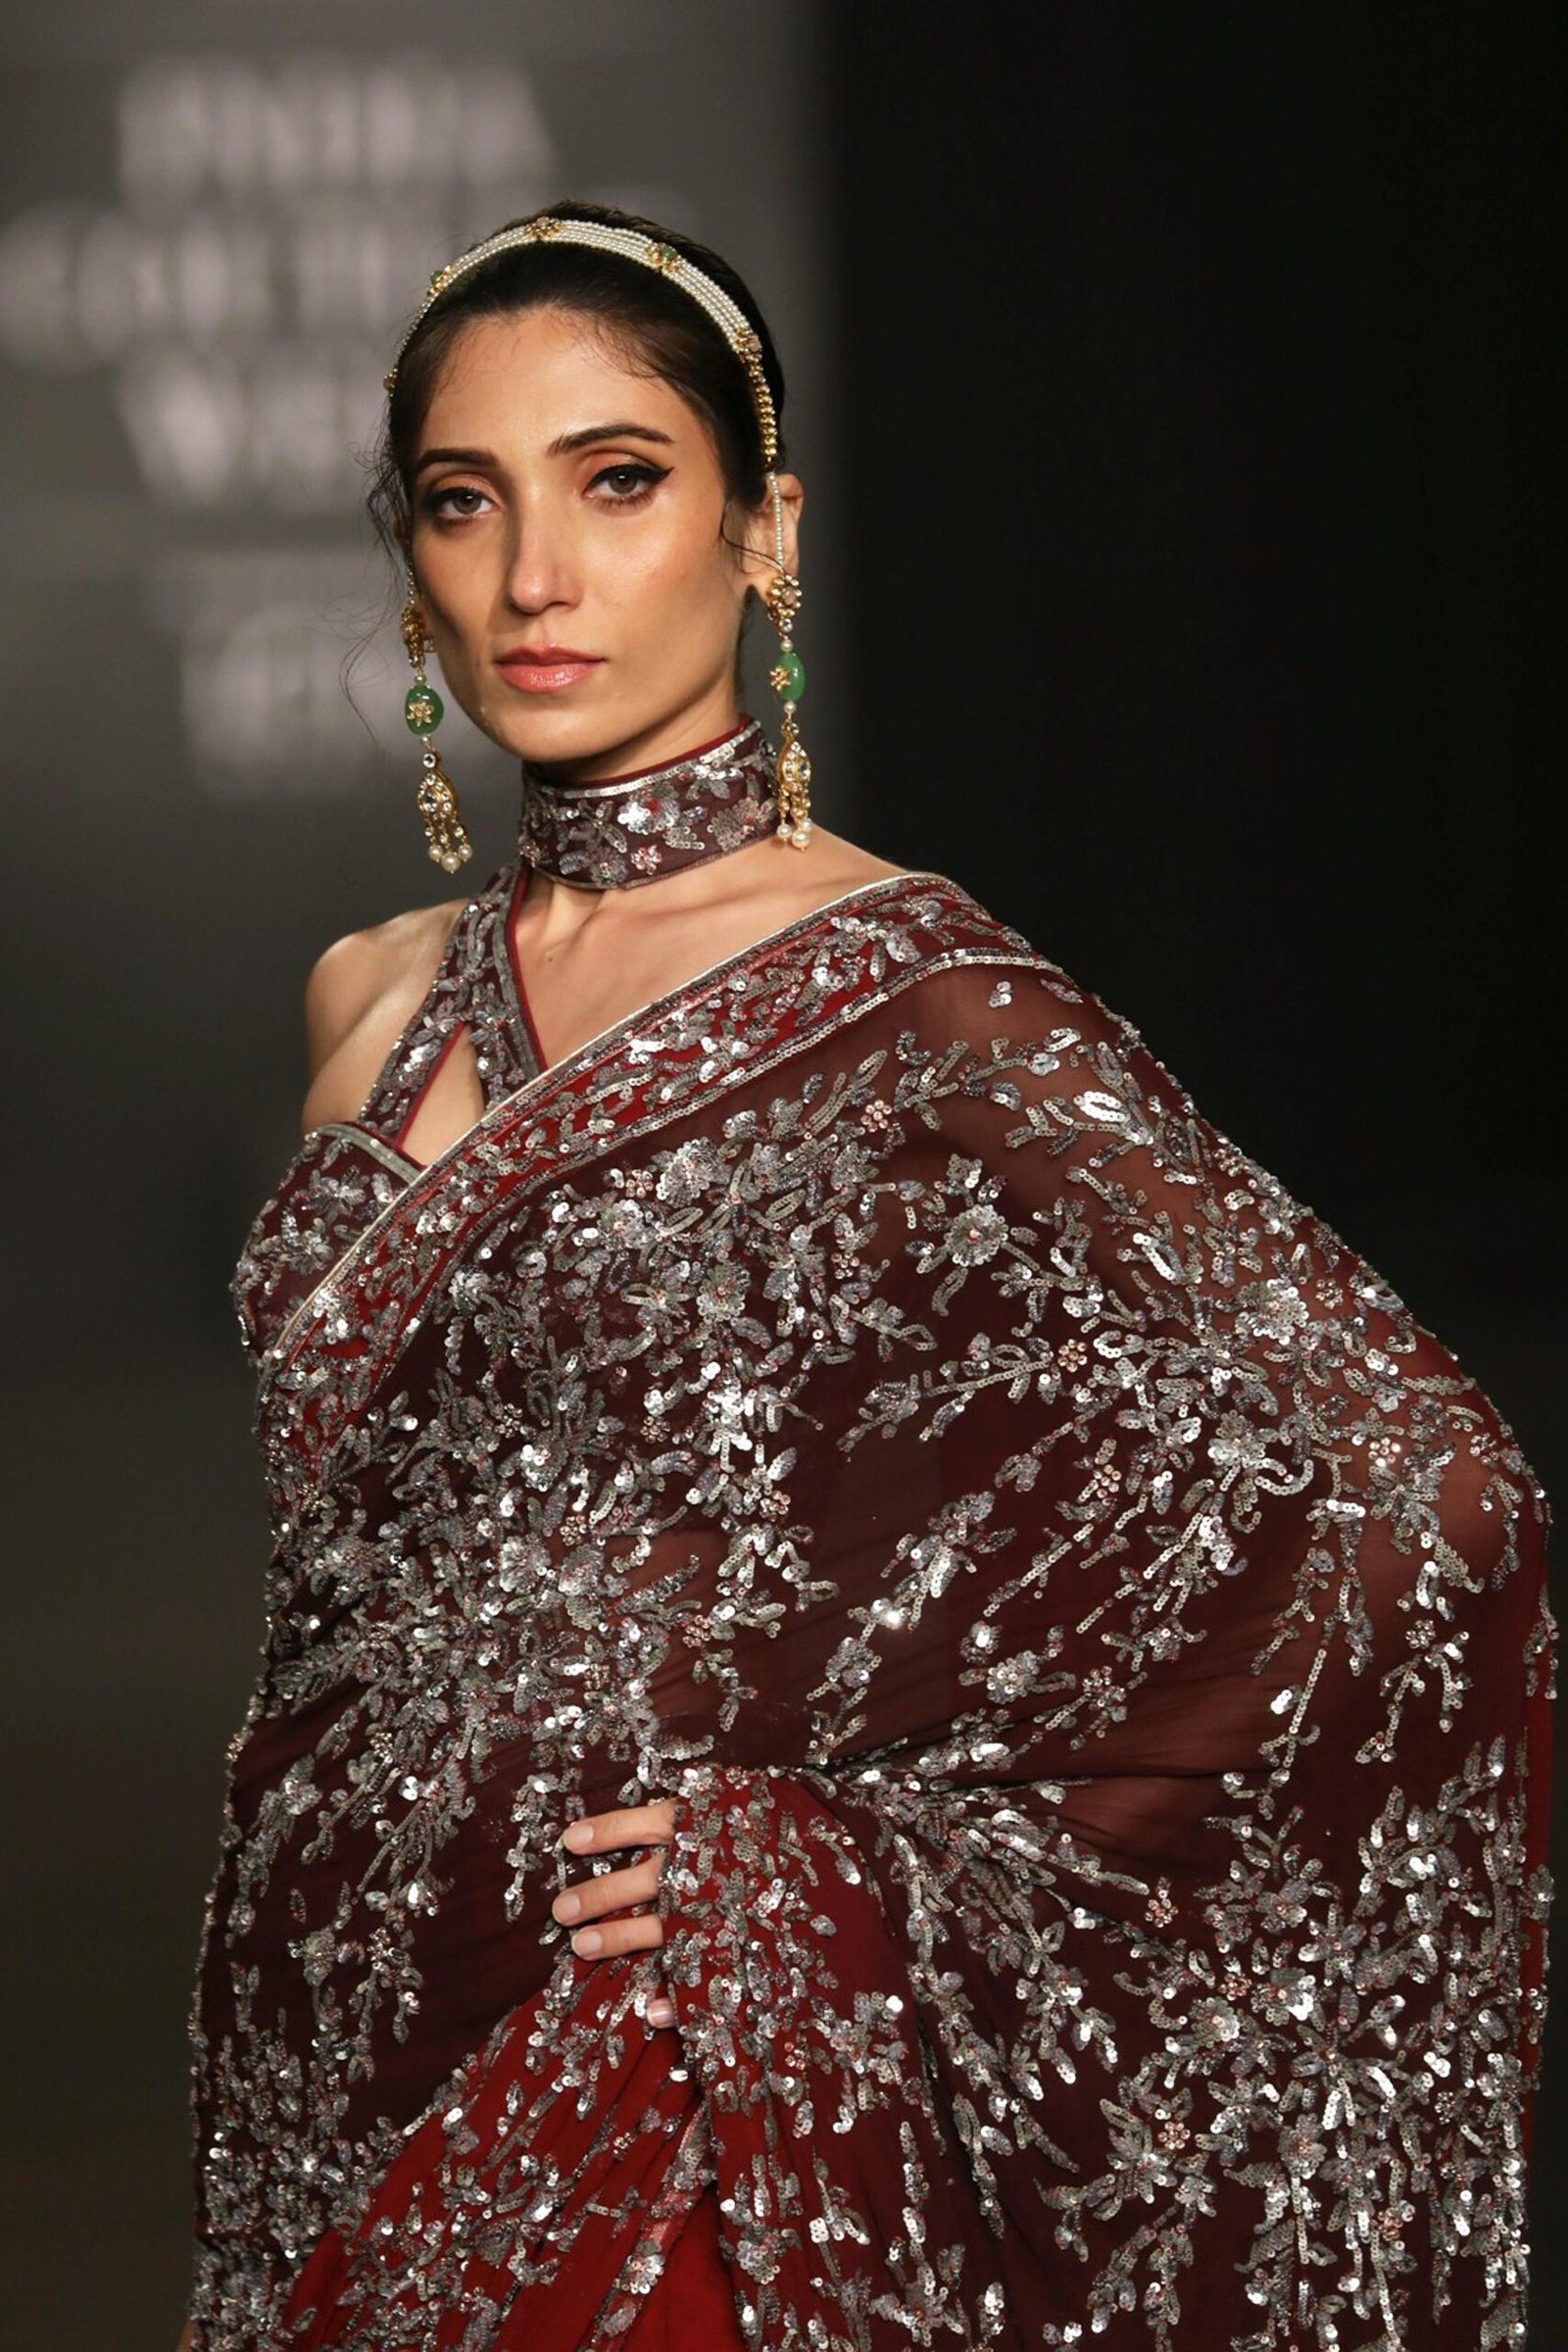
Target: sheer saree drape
{"type": "Point", "coordinates": [1096, 1638]}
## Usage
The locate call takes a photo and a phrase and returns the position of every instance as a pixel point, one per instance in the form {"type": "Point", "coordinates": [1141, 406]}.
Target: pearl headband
{"type": "Point", "coordinates": [653, 254]}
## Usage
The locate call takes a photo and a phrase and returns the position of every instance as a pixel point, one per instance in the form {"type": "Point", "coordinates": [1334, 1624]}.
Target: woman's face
{"type": "Point", "coordinates": [567, 515]}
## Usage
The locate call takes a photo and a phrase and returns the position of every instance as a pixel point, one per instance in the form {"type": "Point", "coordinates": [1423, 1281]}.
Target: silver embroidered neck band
{"type": "Point", "coordinates": [629, 829]}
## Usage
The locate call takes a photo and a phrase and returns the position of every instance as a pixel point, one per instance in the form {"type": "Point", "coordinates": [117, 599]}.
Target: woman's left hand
{"type": "Point", "coordinates": [642, 1930]}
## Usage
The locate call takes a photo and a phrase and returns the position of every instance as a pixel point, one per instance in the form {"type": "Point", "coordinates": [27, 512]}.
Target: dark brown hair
{"type": "Point", "coordinates": [660, 328]}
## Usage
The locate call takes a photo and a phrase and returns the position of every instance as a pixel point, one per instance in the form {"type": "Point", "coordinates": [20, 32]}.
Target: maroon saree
{"type": "Point", "coordinates": [1096, 1638]}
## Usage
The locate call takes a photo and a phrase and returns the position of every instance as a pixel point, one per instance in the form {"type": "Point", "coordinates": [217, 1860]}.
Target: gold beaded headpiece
{"type": "Point", "coordinates": [449, 844]}
{"type": "Point", "coordinates": [653, 254]}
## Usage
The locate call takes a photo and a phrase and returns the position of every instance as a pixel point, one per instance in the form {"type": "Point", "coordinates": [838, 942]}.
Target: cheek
{"type": "Point", "coordinates": [455, 593]}
{"type": "Point", "coordinates": [684, 568]}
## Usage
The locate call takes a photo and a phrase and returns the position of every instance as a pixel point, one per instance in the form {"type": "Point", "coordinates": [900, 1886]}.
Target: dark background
{"type": "Point", "coordinates": [1178, 394]}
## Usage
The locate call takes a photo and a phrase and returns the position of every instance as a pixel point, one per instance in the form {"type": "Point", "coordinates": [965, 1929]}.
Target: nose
{"type": "Point", "coordinates": [542, 568]}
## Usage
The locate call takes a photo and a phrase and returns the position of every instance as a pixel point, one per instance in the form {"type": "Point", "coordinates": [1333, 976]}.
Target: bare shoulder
{"type": "Point", "coordinates": [844, 866]}
{"type": "Point", "coordinates": [772, 885]}
{"type": "Point", "coordinates": [360, 993]}
{"type": "Point", "coordinates": [793, 882]}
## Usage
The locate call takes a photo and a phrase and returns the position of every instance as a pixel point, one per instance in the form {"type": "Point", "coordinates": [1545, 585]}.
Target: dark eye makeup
{"type": "Point", "coordinates": [626, 484]}
{"type": "Point", "coordinates": [639, 473]}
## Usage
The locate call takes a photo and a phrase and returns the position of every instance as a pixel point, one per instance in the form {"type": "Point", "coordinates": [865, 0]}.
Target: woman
{"type": "Point", "coordinates": [1042, 1664]}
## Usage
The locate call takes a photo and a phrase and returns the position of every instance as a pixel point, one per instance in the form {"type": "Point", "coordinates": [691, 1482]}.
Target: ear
{"type": "Point", "coordinates": [760, 562]}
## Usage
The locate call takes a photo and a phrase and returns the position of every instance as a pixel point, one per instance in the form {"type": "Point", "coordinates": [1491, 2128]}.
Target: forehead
{"type": "Point", "coordinates": [533, 375]}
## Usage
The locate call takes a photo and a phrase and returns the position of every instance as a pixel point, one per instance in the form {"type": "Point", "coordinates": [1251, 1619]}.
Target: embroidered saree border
{"type": "Point", "coordinates": [576, 1064]}
{"type": "Point", "coordinates": [392, 1268]}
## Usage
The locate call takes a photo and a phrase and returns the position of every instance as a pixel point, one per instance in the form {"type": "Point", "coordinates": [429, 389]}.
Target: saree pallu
{"type": "Point", "coordinates": [1095, 1638]}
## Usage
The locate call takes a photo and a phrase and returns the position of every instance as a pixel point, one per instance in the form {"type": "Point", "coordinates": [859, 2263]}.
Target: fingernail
{"type": "Point", "coordinates": [661, 2013]}
{"type": "Point", "coordinates": [566, 1906]}
{"type": "Point", "coordinates": [578, 1835]}
{"type": "Point", "coordinates": [587, 1939]}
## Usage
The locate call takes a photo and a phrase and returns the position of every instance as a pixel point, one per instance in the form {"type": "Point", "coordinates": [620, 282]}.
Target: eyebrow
{"type": "Point", "coordinates": [584, 438]}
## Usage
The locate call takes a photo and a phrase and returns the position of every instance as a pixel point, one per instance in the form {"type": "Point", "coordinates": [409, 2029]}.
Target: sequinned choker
{"type": "Point", "coordinates": [631, 829]}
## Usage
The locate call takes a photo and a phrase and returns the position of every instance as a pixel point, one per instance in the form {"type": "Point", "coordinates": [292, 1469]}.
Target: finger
{"type": "Point", "coordinates": [643, 1934]}
{"type": "Point", "coordinates": [630, 1825]}
{"type": "Point", "coordinates": [661, 2011]}
{"type": "Point", "coordinates": [592, 1897]}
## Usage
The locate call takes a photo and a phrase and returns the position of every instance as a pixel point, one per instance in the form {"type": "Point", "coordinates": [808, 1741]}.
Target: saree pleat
{"type": "Point", "coordinates": [1094, 1639]}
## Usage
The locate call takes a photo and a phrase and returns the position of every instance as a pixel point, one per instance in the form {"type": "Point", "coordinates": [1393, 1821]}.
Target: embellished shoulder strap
{"type": "Point", "coordinates": [426, 1037]}
{"type": "Point", "coordinates": [505, 1047]}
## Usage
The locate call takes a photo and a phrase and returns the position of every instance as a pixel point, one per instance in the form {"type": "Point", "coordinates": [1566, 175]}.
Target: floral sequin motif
{"type": "Point", "coordinates": [1095, 1639]}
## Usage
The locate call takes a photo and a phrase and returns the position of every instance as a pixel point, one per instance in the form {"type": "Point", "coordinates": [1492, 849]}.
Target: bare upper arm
{"type": "Point", "coordinates": [342, 985]}
{"type": "Point", "coordinates": [360, 994]}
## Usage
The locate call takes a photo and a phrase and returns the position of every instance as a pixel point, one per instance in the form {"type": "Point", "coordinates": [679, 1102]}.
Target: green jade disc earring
{"type": "Point", "coordinates": [423, 709]}
{"type": "Point", "coordinates": [787, 678]}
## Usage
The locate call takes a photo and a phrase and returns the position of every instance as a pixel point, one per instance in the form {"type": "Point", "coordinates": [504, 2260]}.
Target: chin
{"type": "Point", "coordinates": [555, 732]}
{"type": "Point", "coordinates": [573, 736]}
{"type": "Point", "coordinates": [548, 729]}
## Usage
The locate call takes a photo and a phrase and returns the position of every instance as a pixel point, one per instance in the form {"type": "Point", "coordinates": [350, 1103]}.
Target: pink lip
{"type": "Point", "coordinates": [544, 668]}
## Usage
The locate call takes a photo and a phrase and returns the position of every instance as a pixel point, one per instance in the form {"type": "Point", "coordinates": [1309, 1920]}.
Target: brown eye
{"type": "Point", "coordinates": [439, 502]}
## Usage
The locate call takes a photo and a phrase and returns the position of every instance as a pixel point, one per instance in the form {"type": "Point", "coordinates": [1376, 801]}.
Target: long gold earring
{"type": "Point", "coordinates": [449, 845]}
{"type": "Point", "coordinates": [787, 678]}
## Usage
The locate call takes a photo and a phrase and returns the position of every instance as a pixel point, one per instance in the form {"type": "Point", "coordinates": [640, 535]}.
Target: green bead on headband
{"type": "Point", "coordinates": [653, 254]}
